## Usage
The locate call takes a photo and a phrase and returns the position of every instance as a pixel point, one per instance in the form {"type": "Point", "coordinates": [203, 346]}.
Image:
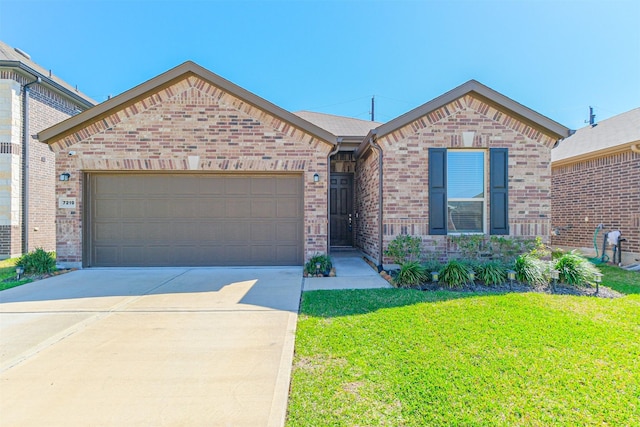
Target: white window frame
{"type": "Point", "coordinates": [459, 199]}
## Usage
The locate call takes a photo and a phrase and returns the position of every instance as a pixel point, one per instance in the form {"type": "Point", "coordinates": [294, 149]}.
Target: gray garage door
{"type": "Point", "coordinates": [193, 220]}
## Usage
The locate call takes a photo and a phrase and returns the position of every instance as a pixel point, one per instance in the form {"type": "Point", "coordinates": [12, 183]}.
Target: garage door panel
{"type": "Point", "coordinates": [238, 186]}
{"type": "Point", "coordinates": [288, 208]}
{"type": "Point", "coordinates": [288, 232]}
{"type": "Point", "coordinates": [289, 186]}
{"type": "Point", "coordinates": [108, 231]}
{"type": "Point", "coordinates": [263, 208]}
{"type": "Point", "coordinates": [263, 186]}
{"type": "Point", "coordinates": [262, 232]}
{"type": "Point", "coordinates": [190, 220]}
{"type": "Point", "coordinates": [238, 208]}
{"type": "Point", "coordinates": [133, 208]}
{"type": "Point", "coordinates": [108, 207]}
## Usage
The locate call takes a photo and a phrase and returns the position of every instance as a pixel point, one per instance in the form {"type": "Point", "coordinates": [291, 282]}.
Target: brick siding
{"type": "Point", "coordinates": [405, 181]}
{"type": "Point", "coordinates": [191, 118]}
{"type": "Point", "coordinates": [604, 190]}
{"type": "Point", "coordinates": [46, 108]}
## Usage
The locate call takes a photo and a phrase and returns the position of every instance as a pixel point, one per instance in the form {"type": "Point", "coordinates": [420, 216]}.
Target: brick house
{"type": "Point", "coordinates": [470, 161]}
{"type": "Point", "coordinates": [596, 180]}
{"type": "Point", "coordinates": [31, 98]}
{"type": "Point", "coordinates": [190, 169]}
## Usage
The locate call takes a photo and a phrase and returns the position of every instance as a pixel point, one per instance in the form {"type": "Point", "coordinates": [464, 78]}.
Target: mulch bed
{"type": "Point", "coordinates": [560, 289]}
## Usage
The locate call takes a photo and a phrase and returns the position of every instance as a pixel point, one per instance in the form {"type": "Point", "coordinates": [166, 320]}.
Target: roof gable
{"type": "Point", "coordinates": [158, 89]}
{"type": "Point", "coordinates": [438, 108]}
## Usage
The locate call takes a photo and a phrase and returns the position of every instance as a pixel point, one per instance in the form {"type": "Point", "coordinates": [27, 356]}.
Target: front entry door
{"type": "Point", "coordinates": [341, 210]}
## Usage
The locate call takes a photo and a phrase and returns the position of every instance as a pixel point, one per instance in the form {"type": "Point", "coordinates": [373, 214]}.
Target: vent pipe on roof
{"type": "Point", "coordinates": [592, 117]}
{"type": "Point", "coordinates": [22, 52]}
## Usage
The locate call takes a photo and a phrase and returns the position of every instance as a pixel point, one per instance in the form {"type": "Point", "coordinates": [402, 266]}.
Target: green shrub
{"type": "Point", "coordinates": [507, 249]}
{"type": "Point", "coordinates": [540, 250]}
{"type": "Point", "coordinates": [470, 246]}
{"type": "Point", "coordinates": [411, 273]}
{"type": "Point", "coordinates": [574, 269]}
{"type": "Point", "coordinates": [531, 270]}
{"type": "Point", "coordinates": [455, 273]}
{"type": "Point", "coordinates": [491, 273]}
{"type": "Point", "coordinates": [404, 248]}
{"type": "Point", "coordinates": [430, 266]}
{"type": "Point", "coordinates": [38, 262]}
{"type": "Point", "coordinates": [311, 267]}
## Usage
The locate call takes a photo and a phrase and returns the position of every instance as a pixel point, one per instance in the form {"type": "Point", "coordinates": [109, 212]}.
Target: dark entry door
{"type": "Point", "coordinates": [341, 208]}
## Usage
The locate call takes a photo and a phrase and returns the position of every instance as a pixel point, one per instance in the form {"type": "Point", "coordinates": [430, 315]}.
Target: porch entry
{"type": "Point", "coordinates": [341, 209]}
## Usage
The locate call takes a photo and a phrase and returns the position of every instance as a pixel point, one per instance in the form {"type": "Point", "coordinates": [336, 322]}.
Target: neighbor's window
{"type": "Point", "coordinates": [465, 191]}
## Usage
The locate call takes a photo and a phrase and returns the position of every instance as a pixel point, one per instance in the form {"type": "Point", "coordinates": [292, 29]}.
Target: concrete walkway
{"type": "Point", "coordinates": [352, 272]}
{"type": "Point", "coordinates": [149, 347]}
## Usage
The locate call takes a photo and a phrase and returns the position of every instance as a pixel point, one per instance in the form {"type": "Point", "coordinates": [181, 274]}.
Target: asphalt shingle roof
{"type": "Point", "coordinates": [338, 125]}
{"type": "Point", "coordinates": [8, 53]}
{"type": "Point", "coordinates": [612, 132]}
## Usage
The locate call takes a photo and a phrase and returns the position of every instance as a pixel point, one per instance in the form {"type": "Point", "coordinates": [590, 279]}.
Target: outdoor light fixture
{"type": "Point", "coordinates": [19, 271]}
{"type": "Point", "coordinates": [511, 274]}
{"type": "Point", "coordinates": [435, 275]}
{"type": "Point", "coordinates": [472, 276]}
{"type": "Point", "coordinates": [318, 268]}
{"type": "Point", "coordinates": [316, 177]}
{"type": "Point", "coordinates": [555, 275]}
{"type": "Point", "coordinates": [598, 280]}
{"type": "Point", "coordinates": [65, 176]}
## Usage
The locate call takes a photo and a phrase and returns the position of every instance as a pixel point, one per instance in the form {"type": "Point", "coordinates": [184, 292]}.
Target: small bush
{"type": "Point", "coordinates": [404, 248]}
{"type": "Point", "coordinates": [575, 269]}
{"type": "Point", "coordinates": [455, 274]}
{"type": "Point", "coordinates": [470, 246]}
{"type": "Point", "coordinates": [431, 266]}
{"type": "Point", "coordinates": [311, 267]}
{"type": "Point", "coordinates": [491, 273]}
{"type": "Point", "coordinates": [411, 273]}
{"type": "Point", "coordinates": [531, 270]}
{"type": "Point", "coordinates": [507, 249]}
{"type": "Point", "coordinates": [38, 262]}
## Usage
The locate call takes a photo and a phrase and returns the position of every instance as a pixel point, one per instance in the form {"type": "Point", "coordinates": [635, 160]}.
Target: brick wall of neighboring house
{"type": "Point", "coordinates": [191, 118]}
{"type": "Point", "coordinates": [46, 108]}
{"type": "Point", "coordinates": [604, 190]}
{"type": "Point", "coordinates": [367, 199]}
{"type": "Point", "coordinates": [406, 204]}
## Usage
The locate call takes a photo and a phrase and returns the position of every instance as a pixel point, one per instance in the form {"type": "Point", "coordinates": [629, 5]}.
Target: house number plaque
{"type": "Point", "coordinates": [67, 203]}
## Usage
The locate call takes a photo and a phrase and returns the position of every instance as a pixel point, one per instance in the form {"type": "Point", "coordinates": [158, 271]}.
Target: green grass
{"type": "Point", "coordinates": [398, 357]}
{"type": "Point", "coordinates": [8, 271]}
{"type": "Point", "coordinates": [626, 282]}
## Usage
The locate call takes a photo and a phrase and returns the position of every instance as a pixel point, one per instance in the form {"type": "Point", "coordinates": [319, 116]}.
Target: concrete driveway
{"type": "Point", "coordinates": [149, 347]}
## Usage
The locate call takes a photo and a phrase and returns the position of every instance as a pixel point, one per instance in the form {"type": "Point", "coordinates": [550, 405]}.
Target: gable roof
{"type": "Point", "coordinates": [167, 78]}
{"type": "Point", "coordinates": [486, 94]}
{"type": "Point", "coordinates": [611, 134]}
{"type": "Point", "coordinates": [10, 57]}
{"type": "Point", "coordinates": [338, 125]}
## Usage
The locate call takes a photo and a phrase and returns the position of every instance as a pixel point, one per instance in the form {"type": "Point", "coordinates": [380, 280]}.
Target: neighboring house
{"type": "Point", "coordinates": [27, 166]}
{"type": "Point", "coordinates": [596, 180]}
{"type": "Point", "coordinates": [190, 169]}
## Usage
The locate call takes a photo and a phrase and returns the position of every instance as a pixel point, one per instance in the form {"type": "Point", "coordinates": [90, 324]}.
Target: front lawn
{"type": "Point", "coordinates": [8, 275]}
{"type": "Point", "coordinates": [626, 282]}
{"type": "Point", "coordinates": [399, 357]}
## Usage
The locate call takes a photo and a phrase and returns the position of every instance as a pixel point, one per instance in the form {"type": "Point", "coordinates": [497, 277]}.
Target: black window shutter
{"type": "Point", "coordinates": [437, 191]}
{"type": "Point", "coordinates": [499, 190]}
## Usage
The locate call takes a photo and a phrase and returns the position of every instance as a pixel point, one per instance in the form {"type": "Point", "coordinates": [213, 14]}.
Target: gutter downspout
{"type": "Point", "coordinates": [334, 151]}
{"type": "Point", "coordinates": [25, 164]}
{"type": "Point", "coordinates": [374, 144]}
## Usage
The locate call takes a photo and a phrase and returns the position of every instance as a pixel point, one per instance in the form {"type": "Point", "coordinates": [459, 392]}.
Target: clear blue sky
{"type": "Point", "coordinates": [556, 57]}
